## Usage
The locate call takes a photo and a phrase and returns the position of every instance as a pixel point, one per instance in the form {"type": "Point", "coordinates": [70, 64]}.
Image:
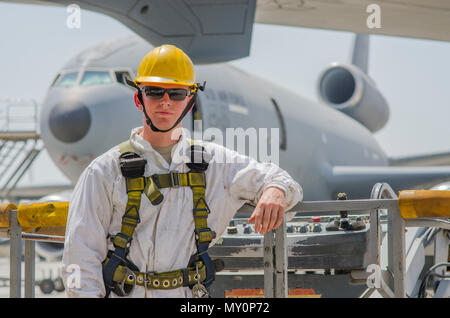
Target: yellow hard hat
{"type": "Point", "coordinates": [166, 64]}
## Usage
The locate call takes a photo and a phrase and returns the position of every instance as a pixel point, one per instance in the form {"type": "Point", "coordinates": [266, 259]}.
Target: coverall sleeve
{"type": "Point", "coordinates": [246, 179]}
{"type": "Point", "coordinates": [85, 247]}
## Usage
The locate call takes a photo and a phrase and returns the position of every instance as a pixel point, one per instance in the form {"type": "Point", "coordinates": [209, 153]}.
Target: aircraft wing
{"type": "Point", "coordinates": [438, 159]}
{"type": "Point", "coordinates": [357, 181]}
{"type": "Point", "coordinates": [213, 31]}
{"type": "Point", "coordinates": [209, 31]}
{"type": "Point", "coordinates": [406, 18]}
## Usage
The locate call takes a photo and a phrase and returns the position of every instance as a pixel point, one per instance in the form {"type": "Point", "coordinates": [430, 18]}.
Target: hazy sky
{"type": "Point", "coordinates": [412, 74]}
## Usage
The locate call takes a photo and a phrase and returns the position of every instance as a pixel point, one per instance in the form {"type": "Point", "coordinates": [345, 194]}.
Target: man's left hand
{"type": "Point", "coordinates": [269, 211]}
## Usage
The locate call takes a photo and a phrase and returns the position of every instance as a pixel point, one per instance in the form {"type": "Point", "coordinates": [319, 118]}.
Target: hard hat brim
{"type": "Point", "coordinates": [155, 79]}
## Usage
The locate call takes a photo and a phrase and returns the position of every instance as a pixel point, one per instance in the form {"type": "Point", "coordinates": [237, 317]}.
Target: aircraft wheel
{"type": "Point", "coordinates": [59, 285]}
{"type": "Point", "coordinates": [47, 286]}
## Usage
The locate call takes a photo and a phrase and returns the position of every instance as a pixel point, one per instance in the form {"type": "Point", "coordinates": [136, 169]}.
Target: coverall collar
{"type": "Point", "coordinates": [180, 151]}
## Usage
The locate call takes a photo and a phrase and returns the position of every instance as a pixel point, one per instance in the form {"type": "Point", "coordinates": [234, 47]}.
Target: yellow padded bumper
{"type": "Point", "coordinates": [424, 203]}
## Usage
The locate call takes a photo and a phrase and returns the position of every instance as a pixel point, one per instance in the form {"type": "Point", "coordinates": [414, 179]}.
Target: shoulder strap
{"type": "Point", "coordinates": [198, 162]}
{"type": "Point", "coordinates": [126, 147]}
{"type": "Point", "coordinates": [203, 234]}
{"type": "Point", "coordinates": [132, 165]}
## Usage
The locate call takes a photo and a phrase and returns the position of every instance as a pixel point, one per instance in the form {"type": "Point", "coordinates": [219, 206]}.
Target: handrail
{"type": "Point", "coordinates": [381, 191]}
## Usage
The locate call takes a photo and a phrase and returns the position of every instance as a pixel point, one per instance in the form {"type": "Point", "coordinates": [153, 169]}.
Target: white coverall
{"type": "Point", "coordinates": [164, 239]}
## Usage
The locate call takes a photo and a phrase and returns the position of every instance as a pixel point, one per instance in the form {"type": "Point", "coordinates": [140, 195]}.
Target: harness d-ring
{"type": "Point", "coordinates": [199, 290]}
{"type": "Point", "coordinates": [130, 275]}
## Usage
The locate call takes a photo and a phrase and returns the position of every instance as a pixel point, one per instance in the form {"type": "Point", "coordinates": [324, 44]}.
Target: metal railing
{"type": "Point", "coordinates": [275, 249]}
{"type": "Point", "coordinates": [15, 270]}
{"type": "Point", "coordinates": [392, 282]}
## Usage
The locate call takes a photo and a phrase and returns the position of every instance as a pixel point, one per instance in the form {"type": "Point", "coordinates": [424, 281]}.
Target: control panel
{"type": "Point", "coordinates": [314, 242]}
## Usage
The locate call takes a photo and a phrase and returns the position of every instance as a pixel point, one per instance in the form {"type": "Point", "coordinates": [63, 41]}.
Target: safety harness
{"type": "Point", "coordinates": [120, 275]}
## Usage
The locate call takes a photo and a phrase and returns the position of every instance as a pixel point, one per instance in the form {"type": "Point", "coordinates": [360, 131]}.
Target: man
{"type": "Point", "coordinates": [157, 246]}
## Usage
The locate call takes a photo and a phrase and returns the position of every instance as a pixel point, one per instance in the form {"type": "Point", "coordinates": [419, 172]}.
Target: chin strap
{"type": "Point", "coordinates": [185, 111]}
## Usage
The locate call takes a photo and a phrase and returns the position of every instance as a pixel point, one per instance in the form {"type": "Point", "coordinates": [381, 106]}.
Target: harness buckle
{"type": "Point", "coordinates": [175, 175]}
{"type": "Point", "coordinates": [205, 235]}
{"type": "Point", "coordinates": [130, 275]}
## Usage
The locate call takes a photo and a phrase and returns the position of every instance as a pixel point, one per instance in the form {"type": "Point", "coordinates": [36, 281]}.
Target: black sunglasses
{"type": "Point", "coordinates": [156, 92]}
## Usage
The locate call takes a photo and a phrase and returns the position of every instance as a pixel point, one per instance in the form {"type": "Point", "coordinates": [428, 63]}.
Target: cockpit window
{"type": "Point", "coordinates": [120, 76]}
{"type": "Point", "coordinates": [95, 78]}
{"type": "Point", "coordinates": [68, 79]}
{"type": "Point", "coordinates": [56, 79]}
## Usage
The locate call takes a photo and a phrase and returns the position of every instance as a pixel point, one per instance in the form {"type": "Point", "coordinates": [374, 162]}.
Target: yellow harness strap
{"type": "Point", "coordinates": [150, 189]}
{"type": "Point", "coordinates": [126, 147]}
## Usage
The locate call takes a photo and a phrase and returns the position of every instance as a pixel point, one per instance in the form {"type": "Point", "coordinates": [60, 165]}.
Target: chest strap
{"type": "Point", "coordinates": [170, 180]}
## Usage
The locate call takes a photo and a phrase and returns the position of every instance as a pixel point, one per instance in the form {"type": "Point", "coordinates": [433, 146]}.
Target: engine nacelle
{"type": "Point", "coordinates": [350, 90]}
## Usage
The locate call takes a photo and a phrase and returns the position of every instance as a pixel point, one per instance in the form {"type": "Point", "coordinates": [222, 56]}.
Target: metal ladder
{"type": "Point", "coordinates": [20, 143]}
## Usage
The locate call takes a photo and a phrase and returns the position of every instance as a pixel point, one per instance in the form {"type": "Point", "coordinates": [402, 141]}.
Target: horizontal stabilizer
{"type": "Point", "coordinates": [437, 159]}
{"type": "Point", "coordinates": [357, 181]}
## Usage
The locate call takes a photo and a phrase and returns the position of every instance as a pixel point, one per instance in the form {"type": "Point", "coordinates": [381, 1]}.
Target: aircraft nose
{"type": "Point", "coordinates": [69, 121]}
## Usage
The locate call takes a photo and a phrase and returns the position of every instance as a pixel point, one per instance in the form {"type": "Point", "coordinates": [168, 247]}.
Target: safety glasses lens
{"type": "Point", "coordinates": [177, 94]}
{"type": "Point", "coordinates": [158, 93]}
{"type": "Point", "coordinates": [154, 92]}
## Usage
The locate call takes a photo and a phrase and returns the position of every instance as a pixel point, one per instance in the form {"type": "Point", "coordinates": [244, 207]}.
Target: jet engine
{"type": "Point", "coordinates": [349, 90]}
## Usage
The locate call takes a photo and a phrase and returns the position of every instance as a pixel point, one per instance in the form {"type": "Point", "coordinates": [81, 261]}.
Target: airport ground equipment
{"type": "Point", "coordinates": [278, 251]}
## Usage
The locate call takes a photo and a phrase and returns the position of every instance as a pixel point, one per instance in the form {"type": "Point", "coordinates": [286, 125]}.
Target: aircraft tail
{"type": "Point", "coordinates": [360, 52]}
